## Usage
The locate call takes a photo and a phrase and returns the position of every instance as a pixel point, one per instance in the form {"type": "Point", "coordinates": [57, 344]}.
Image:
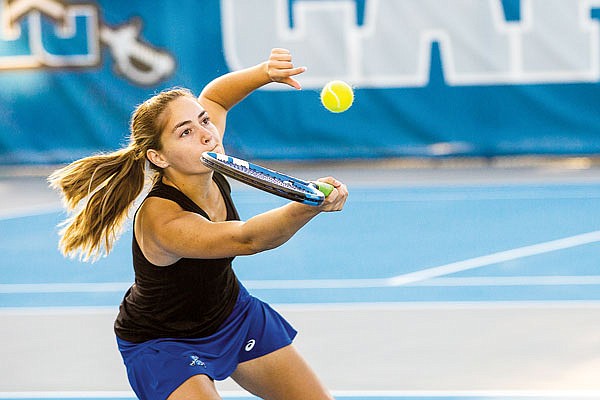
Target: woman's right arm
{"type": "Point", "coordinates": [166, 233]}
{"type": "Point", "coordinates": [224, 92]}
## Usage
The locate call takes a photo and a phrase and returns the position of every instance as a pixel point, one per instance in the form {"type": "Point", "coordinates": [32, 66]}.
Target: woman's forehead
{"type": "Point", "coordinates": [182, 109]}
{"type": "Point", "coordinates": [183, 105]}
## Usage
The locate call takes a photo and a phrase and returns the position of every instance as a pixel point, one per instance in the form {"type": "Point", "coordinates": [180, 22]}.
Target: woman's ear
{"type": "Point", "coordinates": [156, 158]}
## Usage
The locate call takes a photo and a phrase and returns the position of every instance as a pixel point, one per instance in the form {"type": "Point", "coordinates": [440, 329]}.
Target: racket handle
{"type": "Point", "coordinates": [323, 187]}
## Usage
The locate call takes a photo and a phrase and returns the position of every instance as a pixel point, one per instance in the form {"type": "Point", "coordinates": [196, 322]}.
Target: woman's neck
{"type": "Point", "coordinates": [196, 186]}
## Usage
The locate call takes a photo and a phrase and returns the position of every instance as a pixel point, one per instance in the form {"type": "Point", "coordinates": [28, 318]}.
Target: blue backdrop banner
{"type": "Point", "coordinates": [432, 78]}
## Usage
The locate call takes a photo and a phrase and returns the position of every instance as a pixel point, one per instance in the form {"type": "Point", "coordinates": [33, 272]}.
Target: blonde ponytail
{"type": "Point", "coordinates": [108, 185]}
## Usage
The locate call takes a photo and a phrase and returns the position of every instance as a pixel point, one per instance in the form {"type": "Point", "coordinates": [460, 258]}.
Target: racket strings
{"type": "Point", "coordinates": [269, 178]}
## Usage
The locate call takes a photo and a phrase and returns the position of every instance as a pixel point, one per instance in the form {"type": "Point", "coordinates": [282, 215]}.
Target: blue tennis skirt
{"type": "Point", "coordinates": [157, 367]}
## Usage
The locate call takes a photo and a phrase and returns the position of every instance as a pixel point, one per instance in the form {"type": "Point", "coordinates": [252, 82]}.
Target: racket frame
{"type": "Point", "coordinates": [297, 189]}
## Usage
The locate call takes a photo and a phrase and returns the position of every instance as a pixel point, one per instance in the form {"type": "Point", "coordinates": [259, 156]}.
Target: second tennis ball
{"type": "Point", "coordinates": [337, 96]}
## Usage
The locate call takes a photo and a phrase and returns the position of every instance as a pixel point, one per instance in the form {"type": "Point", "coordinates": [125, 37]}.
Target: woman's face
{"type": "Point", "coordinates": [187, 133]}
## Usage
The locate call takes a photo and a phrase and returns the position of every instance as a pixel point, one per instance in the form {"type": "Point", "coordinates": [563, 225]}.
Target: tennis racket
{"type": "Point", "coordinates": [277, 183]}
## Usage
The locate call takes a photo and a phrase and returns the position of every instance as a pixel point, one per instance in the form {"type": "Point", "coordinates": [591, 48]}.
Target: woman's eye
{"type": "Point", "coordinates": [186, 132]}
{"type": "Point", "coordinates": [206, 121]}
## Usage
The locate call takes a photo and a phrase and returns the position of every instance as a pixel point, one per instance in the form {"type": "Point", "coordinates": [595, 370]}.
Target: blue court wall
{"type": "Point", "coordinates": [432, 78]}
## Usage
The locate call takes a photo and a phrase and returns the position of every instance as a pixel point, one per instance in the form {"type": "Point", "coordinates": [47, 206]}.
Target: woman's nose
{"type": "Point", "coordinates": [207, 138]}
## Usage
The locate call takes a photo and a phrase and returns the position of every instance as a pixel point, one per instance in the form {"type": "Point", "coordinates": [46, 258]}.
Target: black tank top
{"type": "Point", "coordinates": [188, 299]}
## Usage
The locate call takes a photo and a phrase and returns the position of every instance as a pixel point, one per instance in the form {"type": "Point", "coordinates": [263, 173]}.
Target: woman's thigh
{"type": "Point", "coordinates": [281, 375]}
{"type": "Point", "coordinates": [198, 387]}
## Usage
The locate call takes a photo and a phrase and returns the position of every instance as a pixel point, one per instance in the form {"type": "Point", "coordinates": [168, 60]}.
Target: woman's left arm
{"type": "Point", "coordinates": [224, 92]}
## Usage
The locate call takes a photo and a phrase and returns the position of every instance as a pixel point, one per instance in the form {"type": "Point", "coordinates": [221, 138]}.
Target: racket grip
{"type": "Point", "coordinates": [323, 187]}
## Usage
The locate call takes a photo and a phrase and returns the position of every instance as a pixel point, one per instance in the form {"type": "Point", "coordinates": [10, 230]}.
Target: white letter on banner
{"type": "Point", "coordinates": [559, 41]}
{"type": "Point", "coordinates": [474, 39]}
{"type": "Point", "coordinates": [556, 41]}
{"type": "Point", "coordinates": [323, 37]}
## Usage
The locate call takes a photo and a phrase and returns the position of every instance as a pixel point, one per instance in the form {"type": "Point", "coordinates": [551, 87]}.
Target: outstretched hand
{"type": "Point", "coordinates": [281, 69]}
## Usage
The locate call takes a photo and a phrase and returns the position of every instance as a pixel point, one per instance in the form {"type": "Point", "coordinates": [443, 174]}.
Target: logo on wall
{"type": "Point", "coordinates": [52, 34]}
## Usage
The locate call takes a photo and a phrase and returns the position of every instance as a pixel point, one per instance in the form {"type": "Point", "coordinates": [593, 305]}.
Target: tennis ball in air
{"type": "Point", "coordinates": [337, 96]}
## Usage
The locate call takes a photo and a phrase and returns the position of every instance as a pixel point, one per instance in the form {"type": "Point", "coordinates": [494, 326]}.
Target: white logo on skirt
{"type": "Point", "coordinates": [196, 361]}
{"type": "Point", "coordinates": [250, 344]}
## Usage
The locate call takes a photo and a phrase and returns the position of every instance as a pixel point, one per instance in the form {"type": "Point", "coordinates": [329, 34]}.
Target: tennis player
{"type": "Point", "coordinates": [187, 321]}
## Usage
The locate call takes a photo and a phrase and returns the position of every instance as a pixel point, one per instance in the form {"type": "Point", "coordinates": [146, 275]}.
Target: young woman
{"type": "Point", "coordinates": [187, 320]}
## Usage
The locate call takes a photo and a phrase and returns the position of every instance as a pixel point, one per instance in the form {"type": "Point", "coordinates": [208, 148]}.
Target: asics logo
{"type": "Point", "coordinates": [250, 345]}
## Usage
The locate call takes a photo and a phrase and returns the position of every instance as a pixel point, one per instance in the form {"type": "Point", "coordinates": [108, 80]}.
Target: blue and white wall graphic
{"type": "Point", "coordinates": [432, 77]}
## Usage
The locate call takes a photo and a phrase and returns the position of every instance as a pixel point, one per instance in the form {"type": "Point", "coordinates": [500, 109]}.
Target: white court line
{"type": "Point", "coordinates": [424, 277]}
{"type": "Point", "coordinates": [67, 310]}
{"type": "Point", "coordinates": [97, 287]}
{"type": "Point", "coordinates": [492, 394]}
{"type": "Point", "coordinates": [67, 394]}
{"type": "Point", "coordinates": [538, 280]}
{"type": "Point", "coordinates": [494, 258]}
{"type": "Point", "coordinates": [474, 281]}
{"type": "Point", "coordinates": [30, 211]}
{"type": "Point", "coordinates": [334, 307]}
{"type": "Point", "coordinates": [496, 394]}
{"type": "Point", "coordinates": [439, 305]}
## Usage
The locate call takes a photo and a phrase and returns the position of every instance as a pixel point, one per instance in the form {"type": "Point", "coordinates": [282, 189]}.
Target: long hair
{"type": "Point", "coordinates": [98, 191]}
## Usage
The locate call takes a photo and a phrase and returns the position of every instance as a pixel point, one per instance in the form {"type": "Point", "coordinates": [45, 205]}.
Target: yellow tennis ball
{"type": "Point", "coordinates": [337, 96]}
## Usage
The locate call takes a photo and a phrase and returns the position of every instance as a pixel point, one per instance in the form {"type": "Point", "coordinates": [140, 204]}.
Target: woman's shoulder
{"type": "Point", "coordinates": [161, 203]}
{"type": "Point", "coordinates": [157, 209]}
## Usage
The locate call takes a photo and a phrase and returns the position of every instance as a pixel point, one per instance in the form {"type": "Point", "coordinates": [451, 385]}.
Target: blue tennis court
{"type": "Point", "coordinates": [431, 246]}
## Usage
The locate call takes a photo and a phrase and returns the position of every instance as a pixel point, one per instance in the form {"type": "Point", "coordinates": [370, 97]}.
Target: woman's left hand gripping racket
{"type": "Point", "coordinates": [277, 183]}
